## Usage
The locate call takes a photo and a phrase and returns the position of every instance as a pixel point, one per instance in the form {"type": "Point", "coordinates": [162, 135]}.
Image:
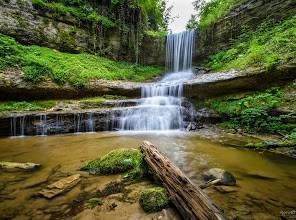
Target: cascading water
{"type": "Point", "coordinates": [17, 126]}
{"type": "Point", "coordinates": [160, 107]}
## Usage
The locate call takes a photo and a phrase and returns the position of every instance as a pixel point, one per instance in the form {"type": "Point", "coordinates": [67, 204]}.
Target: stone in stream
{"type": "Point", "coordinates": [60, 186]}
{"type": "Point", "coordinates": [220, 176]}
{"type": "Point", "coordinates": [13, 165]}
{"type": "Point", "coordinates": [225, 189]}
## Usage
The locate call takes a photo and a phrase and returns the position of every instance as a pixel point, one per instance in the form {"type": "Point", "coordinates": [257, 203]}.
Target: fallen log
{"type": "Point", "coordinates": [189, 199]}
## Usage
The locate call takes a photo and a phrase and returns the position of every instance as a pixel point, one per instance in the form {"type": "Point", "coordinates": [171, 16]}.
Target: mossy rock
{"type": "Point", "coordinates": [123, 160]}
{"type": "Point", "coordinates": [154, 199]}
{"type": "Point", "coordinates": [93, 202]}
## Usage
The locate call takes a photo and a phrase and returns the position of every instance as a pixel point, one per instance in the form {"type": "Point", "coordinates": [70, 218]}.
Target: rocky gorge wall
{"type": "Point", "coordinates": [245, 17]}
{"type": "Point", "coordinates": [29, 25]}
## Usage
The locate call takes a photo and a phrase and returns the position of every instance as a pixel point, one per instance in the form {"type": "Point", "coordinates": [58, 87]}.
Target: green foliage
{"type": "Point", "coordinates": [154, 199]}
{"type": "Point", "coordinates": [152, 10]}
{"type": "Point", "coordinates": [251, 113]}
{"type": "Point", "coordinates": [156, 34]}
{"type": "Point", "coordinates": [155, 13]}
{"type": "Point", "coordinates": [292, 136]}
{"type": "Point", "coordinates": [209, 12]}
{"type": "Point", "coordinates": [270, 45]}
{"type": "Point", "coordinates": [8, 54]}
{"type": "Point", "coordinates": [76, 69]}
{"type": "Point", "coordinates": [80, 9]}
{"type": "Point", "coordinates": [35, 72]}
{"type": "Point", "coordinates": [216, 9]}
{"type": "Point", "coordinates": [26, 105]}
{"type": "Point", "coordinates": [124, 160]}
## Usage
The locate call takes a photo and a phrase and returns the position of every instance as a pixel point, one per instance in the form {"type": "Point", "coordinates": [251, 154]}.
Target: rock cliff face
{"type": "Point", "coordinates": [207, 85]}
{"type": "Point", "coordinates": [246, 16]}
{"type": "Point", "coordinates": [29, 25]}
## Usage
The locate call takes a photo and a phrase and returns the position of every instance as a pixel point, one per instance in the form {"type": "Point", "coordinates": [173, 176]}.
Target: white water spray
{"type": "Point", "coordinates": [160, 107]}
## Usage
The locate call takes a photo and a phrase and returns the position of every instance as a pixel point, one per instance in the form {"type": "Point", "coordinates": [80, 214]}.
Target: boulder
{"type": "Point", "coordinates": [193, 126]}
{"type": "Point", "coordinates": [60, 186]}
{"type": "Point", "coordinates": [220, 176]}
{"type": "Point", "coordinates": [207, 115]}
{"type": "Point", "coordinates": [13, 165]}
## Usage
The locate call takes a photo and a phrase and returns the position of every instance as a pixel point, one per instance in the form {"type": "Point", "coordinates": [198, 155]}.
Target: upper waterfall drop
{"type": "Point", "coordinates": [179, 50]}
{"type": "Point", "coordinates": [161, 103]}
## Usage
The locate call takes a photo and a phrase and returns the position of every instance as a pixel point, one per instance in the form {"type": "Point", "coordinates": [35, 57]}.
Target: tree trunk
{"type": "Point", "coordinates": [189, 199]}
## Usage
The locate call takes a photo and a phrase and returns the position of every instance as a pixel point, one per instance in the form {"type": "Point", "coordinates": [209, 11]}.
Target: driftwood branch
{"type": "Point", "coordinates": [189, 199]}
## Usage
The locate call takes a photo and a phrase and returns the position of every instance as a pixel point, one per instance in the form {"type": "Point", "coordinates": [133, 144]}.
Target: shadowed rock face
{"type": "Point", "coordinates": [61, 122]}
{"type": "Point", "coordinates": [246, 16]}
{"type": "Point", "coordinates": [47, 123]}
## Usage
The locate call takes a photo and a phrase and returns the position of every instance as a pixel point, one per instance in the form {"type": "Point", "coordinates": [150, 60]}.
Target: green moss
{"type": "Point", "coordinates": [252, 112]}
{"type": "Point", "coordinates": [94, 102]}
{"type": "Point", "coordinates": [93, 202]}
{"type": "Point", "coordinates": [271, 45]}
{"type": "Point", "coordinates": [154, 199]}
{"type": "Point", "coordinates": [124, 160]}
{"type": "Point", "coordinates": [271, 144]}
{"type": "Point", "coordinates": [26, 105]}
{"type": "Point", "coordinates": [75, 69]}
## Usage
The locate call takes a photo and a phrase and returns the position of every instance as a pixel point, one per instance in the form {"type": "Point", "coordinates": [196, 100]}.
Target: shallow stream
{"type": "Point", "coordinates": [266, 182]}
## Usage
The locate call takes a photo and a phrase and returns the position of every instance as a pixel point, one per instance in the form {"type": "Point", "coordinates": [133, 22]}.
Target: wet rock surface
{"type": "Point", "coordinates": [60, 186]}
{"type": "Point", "coordinates": [206, 115]}
{"type": "Point", "coordinates": [224, 177]}
{"type": "Point", "coordinates": [15, 165]}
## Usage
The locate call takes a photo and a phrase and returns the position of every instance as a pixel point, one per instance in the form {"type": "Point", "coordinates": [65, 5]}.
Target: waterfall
{"type": "Point", "coordinates": [160, 107]}
{"type": "Point", "coordinates": [42, 127]}
{"type": "Point", "coordinates": [77, 123]}
{"type": "Point", "coordinates": [90, 123]}
{"type": "Point", "coordinates": [17, 126]}
{"type": "Point", "coordinates": [179, 49]}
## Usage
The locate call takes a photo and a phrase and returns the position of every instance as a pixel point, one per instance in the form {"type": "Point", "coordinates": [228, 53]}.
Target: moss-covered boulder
{"type": "Point", "coordinates": [123, 160]}
{"type": "Point", "coordinates": [154, 199]}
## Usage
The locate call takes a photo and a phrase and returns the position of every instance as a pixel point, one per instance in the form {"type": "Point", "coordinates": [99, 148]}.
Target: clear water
{"type": "Point", "coordinates": [255, 198]}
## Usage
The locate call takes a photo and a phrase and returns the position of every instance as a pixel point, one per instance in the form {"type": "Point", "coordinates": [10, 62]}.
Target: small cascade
{"type": "Point", "coordinates": [42, 126]}
{"type": "Point", "coordinates": [179, 50]}
{"type": "Point", "coordinates": [90, 124]}
{"type": "Point", "coordinates": [77, 123]}
{"type": "Point", "coordinates": [59, 123]}
{"type": "Point", "coordinates": [160, 107]}
{"type": "Point", "coordinates": [17, 126]}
